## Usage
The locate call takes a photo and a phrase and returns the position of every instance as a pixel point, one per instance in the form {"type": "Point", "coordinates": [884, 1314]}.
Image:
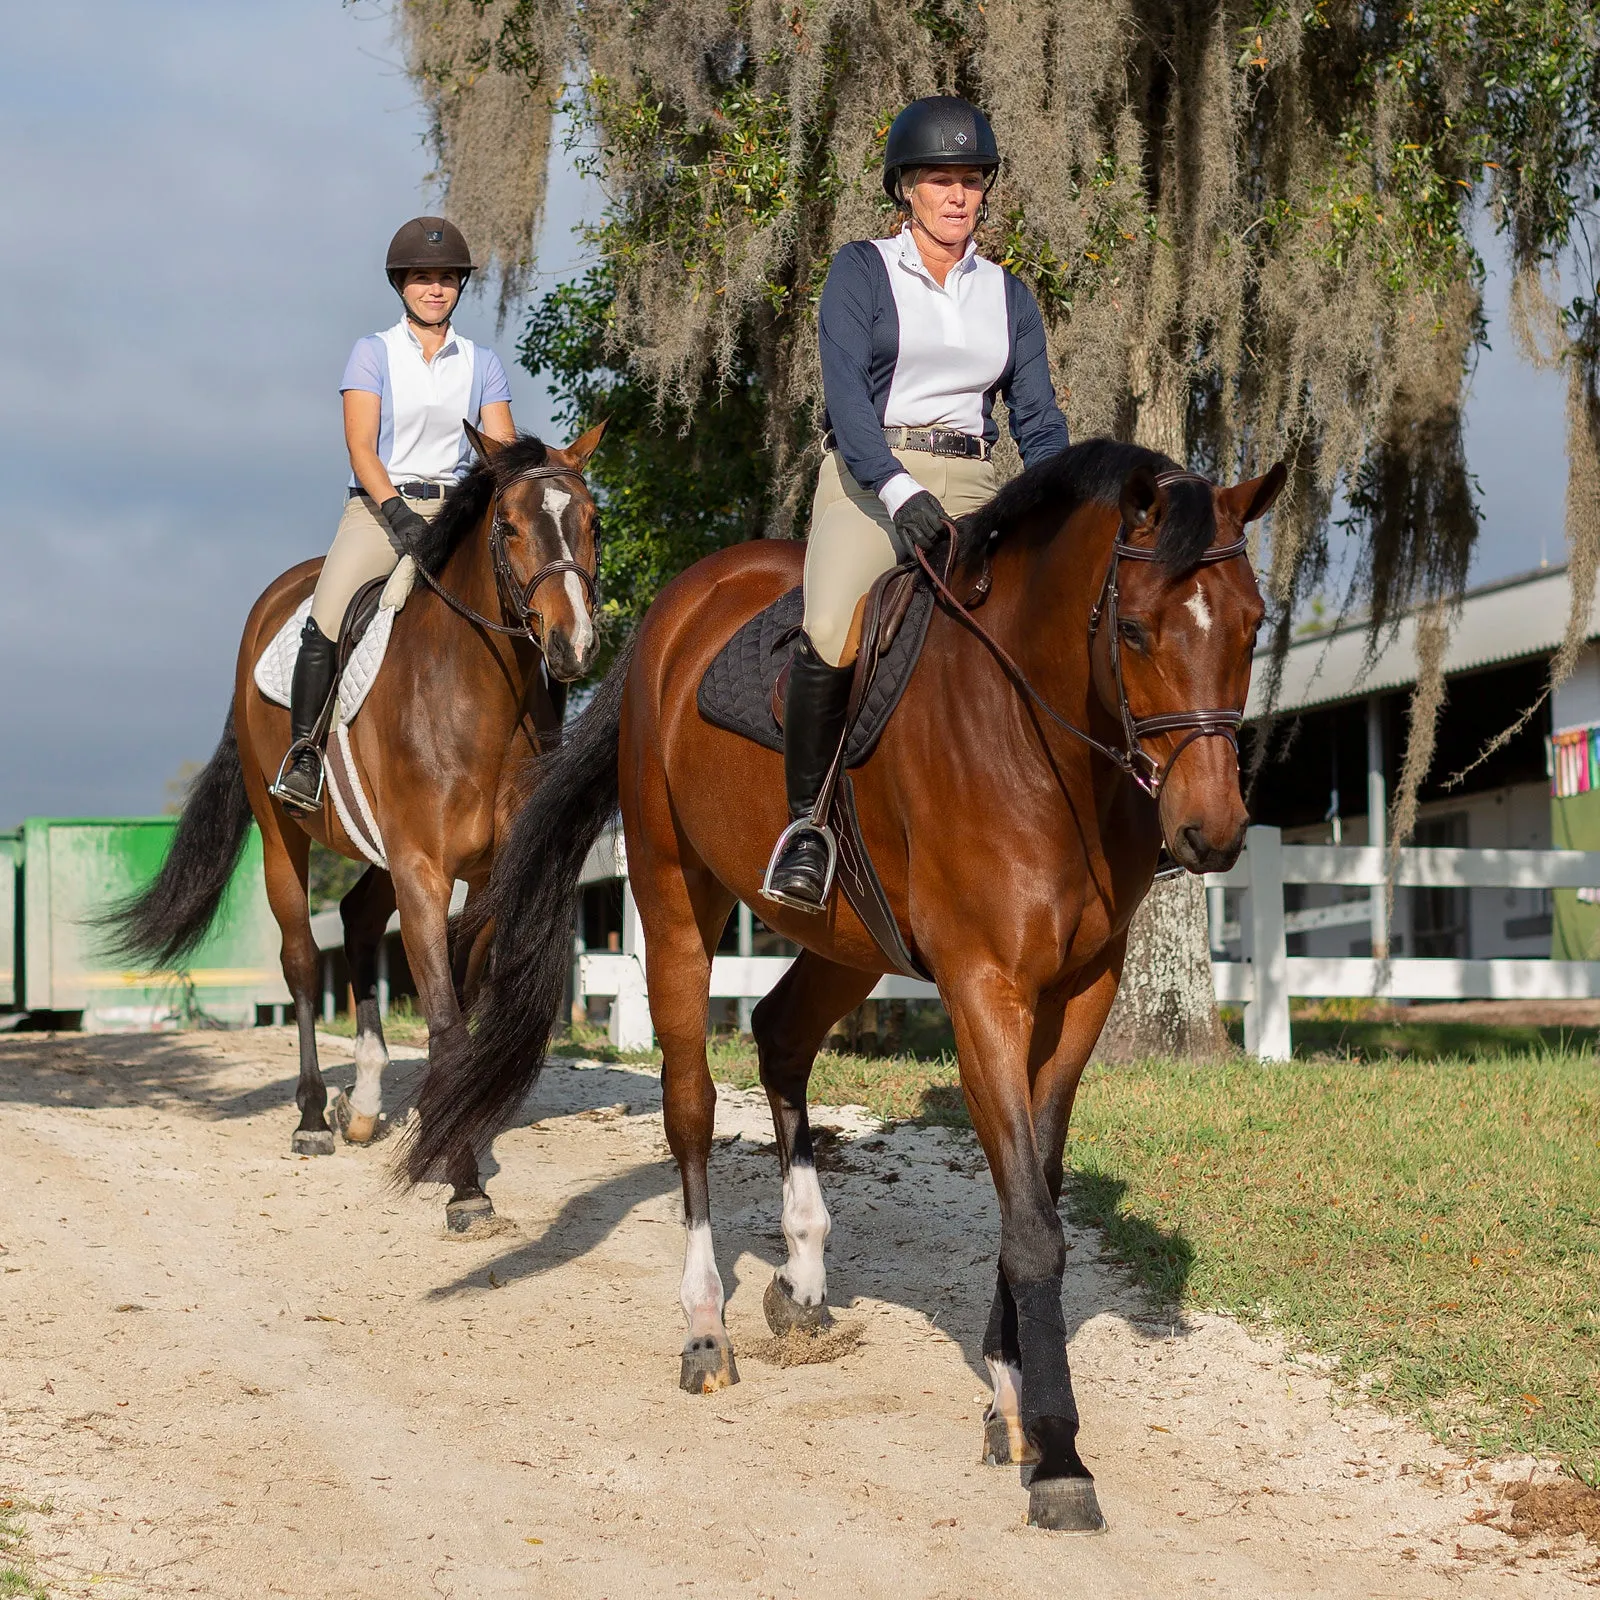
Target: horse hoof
{"type": "Point", "coordinates": [360, 1129]}
{"type": "Point", "coordinates": [461, 1216]}
{"type": "Point", "coordinates": [308, 1143]}
{"type": "Point", "coordinates": [1066, 1505]}
{"type": "Point", "coordinates": [708, 1365]}
{"type": "Point", "coordinates": [785, 1314]}
{"type": "Point", "coordinates": [1005, 1444]}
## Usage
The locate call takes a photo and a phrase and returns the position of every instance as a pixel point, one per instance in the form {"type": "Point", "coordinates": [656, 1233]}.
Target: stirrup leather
{"type": "Point", "coordinates": [288, 796]}
{"type": "Point", "coordinates": [831, 844]}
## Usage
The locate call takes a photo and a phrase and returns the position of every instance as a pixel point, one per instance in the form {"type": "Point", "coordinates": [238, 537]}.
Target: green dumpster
{"type": "Point", "coordinates": [10, 912]}
{"type": "Point", "coordinates": [73, 869]}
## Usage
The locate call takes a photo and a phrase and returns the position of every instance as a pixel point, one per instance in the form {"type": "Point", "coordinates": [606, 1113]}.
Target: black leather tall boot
{"type": "Point", "coordinates": [299, 782]}
{"type": "Point", "coordinates": [814, 711]}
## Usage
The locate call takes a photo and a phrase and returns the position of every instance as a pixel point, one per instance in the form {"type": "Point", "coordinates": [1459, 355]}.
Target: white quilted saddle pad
{"type": "Point", "coordinates": [275, 669]}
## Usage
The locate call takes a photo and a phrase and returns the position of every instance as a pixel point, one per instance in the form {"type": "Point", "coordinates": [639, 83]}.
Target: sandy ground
{"type": "Point", "coordinates": [235, 1373]}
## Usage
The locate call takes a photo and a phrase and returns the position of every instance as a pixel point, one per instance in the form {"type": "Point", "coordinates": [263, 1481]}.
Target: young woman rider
{"type": "Point", "coordinates": [406, 391]}
{"type": "Point", "coordinates": [918, 334]}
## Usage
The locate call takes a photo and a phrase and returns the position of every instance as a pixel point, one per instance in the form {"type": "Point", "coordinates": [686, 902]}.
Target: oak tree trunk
{"type": "Point", "coordinates": [1167, 1004]}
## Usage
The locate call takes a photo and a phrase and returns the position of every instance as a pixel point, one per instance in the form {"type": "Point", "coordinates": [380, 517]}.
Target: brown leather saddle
{"type": "Point", "coordinates": [743, 691]}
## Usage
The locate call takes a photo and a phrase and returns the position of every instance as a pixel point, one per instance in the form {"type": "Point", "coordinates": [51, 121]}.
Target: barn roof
{"type": "Point", "coordinates": [1511, 620]}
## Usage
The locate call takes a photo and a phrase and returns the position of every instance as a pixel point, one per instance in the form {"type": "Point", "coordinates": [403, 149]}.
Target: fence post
{"type": "Point", "coordinates": [747, 947]}
{"type": "Point", "coordinates": [1377, 821]}
{"type": "Point", "coordinates": [1266, 1014]}
{"type": "Point", "coordinates": [631, 1028]}
{"type": "Point", "coordinates": [328, 1000]}
{"type": "Point", "coordinates": [383, 976]}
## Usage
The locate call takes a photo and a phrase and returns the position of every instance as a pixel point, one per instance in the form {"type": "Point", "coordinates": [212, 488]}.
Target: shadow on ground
{"type": "Point", "coordinates": [915, 1218]}
{"type": "Point", "coordinates": [916, 1222]}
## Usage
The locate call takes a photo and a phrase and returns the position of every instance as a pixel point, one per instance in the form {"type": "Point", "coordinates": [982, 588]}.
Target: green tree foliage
{"type": "Point", "coordinates": [1251, 225]}
{"type": "Point", "coordinates": [1255, 230]}
{"type": "Point", "coordinates": [676, 482]}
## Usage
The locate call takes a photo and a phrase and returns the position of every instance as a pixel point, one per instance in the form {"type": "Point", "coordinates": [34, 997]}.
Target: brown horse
{"type": "Point", "coordinates": [1015, 807]}
{"type": "Point", "coordinates": [471, 691]}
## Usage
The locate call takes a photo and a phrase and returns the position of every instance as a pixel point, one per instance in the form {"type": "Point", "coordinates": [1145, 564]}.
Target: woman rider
{"type": "Point", "coordinates": [918, 335]}
{"type": "Point", "coordinates": [406, 391]}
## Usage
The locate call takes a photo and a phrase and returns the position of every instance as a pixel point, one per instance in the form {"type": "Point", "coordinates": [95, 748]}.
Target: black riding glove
{"type": "Point", "coordinates": [405, 525]}
{"type": "Point", "coordinates": [917, 526]}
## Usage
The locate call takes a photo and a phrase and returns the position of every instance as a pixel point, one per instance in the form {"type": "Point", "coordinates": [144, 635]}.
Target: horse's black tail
{"type": "Point", "coordinates": [163, 923]}
{"type": "Point", "coordinates": [470, 1095]}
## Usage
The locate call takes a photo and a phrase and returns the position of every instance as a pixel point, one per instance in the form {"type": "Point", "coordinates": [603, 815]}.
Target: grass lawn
{"type": "Point", "coordinates": [1430, 1224]}
{"type": "Point", "coordinates": [17, 1579]}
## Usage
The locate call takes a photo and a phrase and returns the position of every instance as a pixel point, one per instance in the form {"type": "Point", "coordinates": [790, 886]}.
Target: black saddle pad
{"type": "Point", "coordinates": [736, 691]}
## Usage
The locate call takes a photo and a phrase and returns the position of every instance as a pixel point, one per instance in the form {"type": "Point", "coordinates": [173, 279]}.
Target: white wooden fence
{"type": "Point", "coordinates": [1263, 982]}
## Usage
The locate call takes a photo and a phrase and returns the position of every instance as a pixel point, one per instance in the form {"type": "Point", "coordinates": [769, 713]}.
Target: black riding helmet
{"type": "Point", "coordinates": [427, 242]}
{"type": "Point", "coordinates": [939, 131]}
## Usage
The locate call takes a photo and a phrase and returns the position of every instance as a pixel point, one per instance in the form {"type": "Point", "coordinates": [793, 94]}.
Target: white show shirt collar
{"type": "Point", "coordinates": [911, 259]}
{"type": "Point", "coordinates": [449, 347]}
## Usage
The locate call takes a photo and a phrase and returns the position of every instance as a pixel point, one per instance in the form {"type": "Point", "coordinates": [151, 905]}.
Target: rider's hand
{"type": "Point", "coordinates": [917, 525]}
{"type": "Point", "coordinates": [405, 525]}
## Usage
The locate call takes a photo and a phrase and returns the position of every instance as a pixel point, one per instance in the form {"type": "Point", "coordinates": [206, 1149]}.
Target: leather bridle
{"type": "Point", "coordinates": [519, 602]}
{"type": "Point", "coordinates": [1150, 774]}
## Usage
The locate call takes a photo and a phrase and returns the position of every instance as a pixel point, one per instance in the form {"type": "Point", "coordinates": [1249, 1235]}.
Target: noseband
{"type": "Point", "coordinates": [518, 601]}
{"type": "Point", "coordinates": [1150, 775]}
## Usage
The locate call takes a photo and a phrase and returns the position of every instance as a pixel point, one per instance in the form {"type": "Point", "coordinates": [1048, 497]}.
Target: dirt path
{"type": "Point", "coordinates": [234, 1373]}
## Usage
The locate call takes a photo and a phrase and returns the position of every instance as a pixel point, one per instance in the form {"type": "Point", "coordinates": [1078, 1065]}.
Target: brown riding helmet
{"type": "Point", "coordinates": [428, 242]}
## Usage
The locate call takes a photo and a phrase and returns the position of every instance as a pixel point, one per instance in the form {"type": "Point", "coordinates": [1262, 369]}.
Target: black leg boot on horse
{"type": "Point", "coordinates": [814, 711]}
{"type": "Point", "coordinates": [299, 782]}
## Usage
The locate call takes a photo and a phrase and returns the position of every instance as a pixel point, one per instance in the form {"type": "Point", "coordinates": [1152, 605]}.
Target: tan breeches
{"type": "Point", "coordinates": [849, 545]}
{"type": "Point", "coordinates": [361, 552]}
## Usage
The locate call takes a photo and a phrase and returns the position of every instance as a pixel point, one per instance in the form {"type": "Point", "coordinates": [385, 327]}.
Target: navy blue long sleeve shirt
{"type": "Point", "coordinates": [899, 350]}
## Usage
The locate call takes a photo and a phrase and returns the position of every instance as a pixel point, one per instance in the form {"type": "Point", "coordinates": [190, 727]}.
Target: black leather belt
{"type": "Point", "coordinates": [931, 441]}
{"type": "Point", "coordinates": [417, 491]}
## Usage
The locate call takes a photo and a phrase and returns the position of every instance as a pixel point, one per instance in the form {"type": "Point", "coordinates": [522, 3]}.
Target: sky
{"type": "Point", "coordinates": [205, 193]}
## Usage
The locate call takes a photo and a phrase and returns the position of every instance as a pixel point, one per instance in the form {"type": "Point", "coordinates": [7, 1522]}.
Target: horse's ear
{"type": "Point", "coordinates": [486, 447]}
{"type": "Point", "coordinates": [587, 443]}
{"type": "Point", "coordinates": [1138, 499]}
{"type": "Point", "coordinates": [1253, 498]}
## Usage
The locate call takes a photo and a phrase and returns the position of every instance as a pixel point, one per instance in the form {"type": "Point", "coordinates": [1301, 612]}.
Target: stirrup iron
{"type": "Point", "coordinates": [805, 824]}
{"type": "Point", "coordinates": [288, 797]}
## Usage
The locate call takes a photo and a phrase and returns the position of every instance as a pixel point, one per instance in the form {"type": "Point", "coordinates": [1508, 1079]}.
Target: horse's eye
{"type": "Point", "coordinates": [1132, 634]}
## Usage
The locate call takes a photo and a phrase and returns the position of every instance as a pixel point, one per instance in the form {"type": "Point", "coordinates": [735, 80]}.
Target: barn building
{"type": "Point", "coordinates": [1336, 747]}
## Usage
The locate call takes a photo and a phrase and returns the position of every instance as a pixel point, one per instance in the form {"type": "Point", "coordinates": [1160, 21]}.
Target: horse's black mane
{"type": "Point", "coordinates": [464, 510]}
{"type": "Point", "coordinates": [1094, 472]}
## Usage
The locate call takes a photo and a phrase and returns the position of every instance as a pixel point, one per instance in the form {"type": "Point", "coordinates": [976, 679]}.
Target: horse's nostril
{"type": "Point", "coordinates": [561, 657]}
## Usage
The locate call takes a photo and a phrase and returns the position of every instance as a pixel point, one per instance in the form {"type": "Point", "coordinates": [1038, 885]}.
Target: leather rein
{"type": "Point", "coordinates": [1133, 759]}
{"type": "Point", "coordinates": [520, 602]}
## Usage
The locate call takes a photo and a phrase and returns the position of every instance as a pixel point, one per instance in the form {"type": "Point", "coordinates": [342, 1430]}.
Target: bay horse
{"type": "Point", "coordinates": [1045, 747]}
{"type": "Point", "coordinates": [471, 691]}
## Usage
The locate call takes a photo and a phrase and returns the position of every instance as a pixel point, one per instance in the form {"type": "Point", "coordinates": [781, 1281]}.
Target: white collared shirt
{"type": "Point", "coordinates": [420, 437]}
{"type": "Point", "coordinates": [955, 340]}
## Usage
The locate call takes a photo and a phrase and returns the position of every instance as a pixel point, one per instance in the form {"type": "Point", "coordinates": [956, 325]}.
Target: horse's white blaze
{"type": "Point", "coordinates": [556, 502]}
{"type": "Point", "coordinates": [806, 1226]}
{"type": "Point", "coordinates": [701, 1291]}
{"type": "Point", "coordinates": [1199, 610]}
{"type": "Point", "coordinates": [371, 1059]}
{"type": "Point", "coordinates": [582, 627]}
